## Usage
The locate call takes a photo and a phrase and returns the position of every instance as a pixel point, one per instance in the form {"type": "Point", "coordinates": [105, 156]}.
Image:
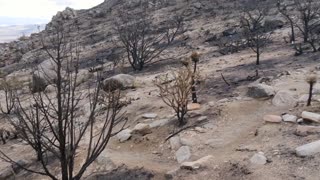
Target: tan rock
{"type": "Point", "coordinates": [272, 118]}
{"type": "Point", "coordinates": [311, 116]}
{"type": "Point", "coordinates": [193, 106]}
{"type": "Point", "coordinates": [306, 130]}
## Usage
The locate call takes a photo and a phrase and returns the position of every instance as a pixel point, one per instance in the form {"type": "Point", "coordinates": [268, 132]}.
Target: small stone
{"type": "Point", "coordinates": [142, 129]}
{"type": "Point", "coordinates": [193, 106]}
{"type": "Point", "coordinates": [202, 118]}
{"type": "Point", "coordinates": [200, 163]}
{"type": "Point", "coordinates": [183, 154]}
{"type": "Point", "coordinates": [124, 135]}
{"type": "Point", "coordinates": [308, 149]}
{"type": "Point", "coordinates": [175, 143]}
{"type": "Point", "coordinates": [150, 116]}
{"type": "Point", "coordinates": [209, 126]}
{"type": "Point", "coordinates": [200, 129]}
{"type": "Point", "coordinates": [289, 118]}
{"type": "Point", "coordinates": [272, 119]}
{"type": "Point", "coordinates": [212, 104]}
{"type": "Point", "coordinates": [311, 116]}
{"type": "Point", "coordinates": [214, 143]}
{"type": "Point", "coordinates": [159, 123]}
{"type": "Point", "coordinates": [258, 159]}
{"type": "Point", "coordinates": [299, 121]}
{"type": "Point", "coordinates": [222, 101]}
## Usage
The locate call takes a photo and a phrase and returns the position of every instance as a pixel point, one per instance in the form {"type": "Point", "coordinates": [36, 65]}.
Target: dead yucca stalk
{"type": "Point", "coordinates": [176, 93]}
{"type": "Point", "coordinates": [311, 80]}
{"type": "Point", "coordinates": [195, 57]}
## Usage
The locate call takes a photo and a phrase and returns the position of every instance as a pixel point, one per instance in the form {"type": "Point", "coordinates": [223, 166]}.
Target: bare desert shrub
{"type": "Point", "coordinates": [142, 41]}
{"type": "Point", "coordinates": [175, 90]}
{"type": "Point", "coordinates": [9, 88]}
{"type": "Point", "coordinates": [254, 31]}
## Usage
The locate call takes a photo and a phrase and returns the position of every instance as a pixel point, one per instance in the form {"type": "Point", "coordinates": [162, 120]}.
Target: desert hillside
{"type": "Point", "coordinates": [167, 89]}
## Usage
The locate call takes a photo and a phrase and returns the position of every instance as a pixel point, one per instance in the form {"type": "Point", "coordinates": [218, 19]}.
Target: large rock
{"type": "Point", "coordinates": [311, 116]}
{"type": "Point", "coordinates": [183, 154]}
{"type": "Point", "coordinates": [229, 32]}
{"type": "Point", "coordinates": [124, 135]}
{"type": "Point", "coordinates": [83, 76]}
{"type": "Point", "coordinates": [38, 84]}
{"type": "Point", "coordinates": [308, 149]}
{"type": "Point", "coordinates": [6, 173]}
{"type": "Point", "coordinates": [200, 163]}
{"type": "Point", "coordinates": [306, 130]}
{"type": "Point", "coordinates": [260, 91]}
{"type": "Point", "coordinates": [258, 159]}
{"type": "Point", "coordinates": [273, 24]}
{"type": "Point", "coordinates": [50, 88]}
{"type": "Point", "coordinates": [142, 129]}
{"type": "Point", "coordinates": [272, 119]}
{"type": "Point", "coordinates": [120, 81]}
{"type": "Point", "coordinates": [284, 99]}
{"type": "Point", "coordinates": [43, 76]}
{"type": "Point", "coordinates": [104, 163]}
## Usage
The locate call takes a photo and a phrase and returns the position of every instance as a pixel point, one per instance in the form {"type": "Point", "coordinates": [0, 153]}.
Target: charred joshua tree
{"type": "Point", "coordinates": [195, 59]}
{"type": "Point", "coordinates": [311, 80]}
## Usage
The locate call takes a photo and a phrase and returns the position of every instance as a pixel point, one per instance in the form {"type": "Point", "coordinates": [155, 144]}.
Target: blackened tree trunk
{"type": "Point", "coordinates": [310, 95]}
{"type": "Point", "coordinates": [193, 88]}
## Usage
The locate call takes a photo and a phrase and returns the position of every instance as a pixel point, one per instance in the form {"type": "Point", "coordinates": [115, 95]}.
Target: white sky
{"type": "Point", "coordinates": [41, 9]}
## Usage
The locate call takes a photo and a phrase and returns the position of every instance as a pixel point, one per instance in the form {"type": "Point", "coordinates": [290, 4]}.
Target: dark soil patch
{"type": "Point", "coordinates": [123, 173]}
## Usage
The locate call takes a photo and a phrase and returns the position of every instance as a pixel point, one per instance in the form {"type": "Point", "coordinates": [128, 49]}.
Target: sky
{"type": "Point", "coordinates": [19, 12]}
